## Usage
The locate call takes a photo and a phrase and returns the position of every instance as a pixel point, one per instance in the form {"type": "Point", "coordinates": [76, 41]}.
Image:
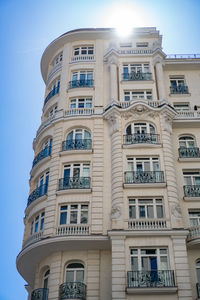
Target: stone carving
{"type": "Point", "coordinates": [113, 121]}
{"type": "Point", "coordinates": [115, 212]}
{"type": "Point", "coordinates": [167, 123]}
{"type": "Point", "coordinates": [139, 110]}
{"type": "Point", "coordinates": [175, 210]}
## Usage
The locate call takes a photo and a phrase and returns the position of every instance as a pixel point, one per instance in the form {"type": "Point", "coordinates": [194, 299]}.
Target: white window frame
{"type": "Point", "coordinates": [46, 279]}
{"type": "Point", "coordinates": [154, 203]}
{"type": "Point", "coordinates": [86, 73]}
{"type": "Point", "coordinates": [69, 209]}
{"type": "Point", "coordinates": [80, 50]}
{"type": "Point", "coordinates": [44, 178]}
{"type": "Point", "coordinates": [137, 68]}
{"type": "Point", "coordinates": [187, 140]}
{"type": "Point", "coordinates": [142, 44]}
{"type": "Point", "coordinates": [53, 111]}
{"type": "Point", "coordinates": [194, 217]}
{"type": "Point", "coordinates": [179, 81]}
{"type": "Point", "coordinates": [80, 166]}
{"type": "Point", "coordinates": [75, 270]}
{"type": "Point", "coordinates": [150, 128]}
{"type": "Point", "coordinates": [74, 103]}
{"type": "Point", "coordinates": [192, 175]}
{"type": "Point", "coordinates": [58, 59]}
{"type": "Point", "coordinates": [135, 95]}
{"type": "Point", "coordinates": [133, 162]}
{"type": "Point", "coordinates": [79, 131]}
{"type": "Point", "coordinates": [38, 222]}
{"type": "Point", "coordinates": [182, 106]}
{"type": "Point", "coordinates": [55, 84]}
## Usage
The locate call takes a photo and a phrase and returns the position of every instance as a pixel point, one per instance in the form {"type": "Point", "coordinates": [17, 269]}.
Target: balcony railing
{"type": "Point", "coordinates": [144, 177]}
{"type": "Point", "coordinates": [189, 152]}
{"type": "Point", "coordinates": [198, 290]}
{"type": "Point", "coordinates": [152, 103]}
{"type": "Point", "coordinates": [44, 153]}
{"type": "Point", "coordinates": [151, 279]}
{"type": "Point", "coordinates": [78, 144]}
{"type": "Point", "coordinates": [194, 232]}
{"type": "Point", "coordinates": [83, 58]}
{"type": "Point", "coordinates": [79, 111]}
{"type": "Point", "coordinates": [141, 138]}
{"type": "Point", "coordinates": [149, 224]}
{"type": "Point", "coordinates": [39, 294]}
{"type": "Point", "coordinates": [81, 83]}
{"type": "Point", "coordinates": [39, 192]}
{"type": "Point", "coordinates": [72, 290]}
{"type": "Point", "coordinates": [74, 183]}
{"type": "Point", "coordinates": [73, 229]}
{"type": "Point", "coordinates": [33, 238]}
{"type": "Point", "coordinates": [192, 190]}
{"type": "Point", "coordinates": [179, 89]}
{"type": "Point", "coordinates": [133, 76]}
{"type": "Point", "coordinates": [51, 94]}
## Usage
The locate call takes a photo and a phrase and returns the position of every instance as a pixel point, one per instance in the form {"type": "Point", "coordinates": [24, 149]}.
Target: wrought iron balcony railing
{"type": "Point", "coordinates": [179, 89]}
{"type": "Point", "coordinates": [133, 76]}
{"type": "Point", "coordinates": [81, 83]}
{"type": "Point", "coordinates": [194, 232]}
{"type": "Point", "coordinates": [39, 294]}
{"type": "Point", "coordinates": [141, 138]}
{"type": "Point", "coordinates": [192, 190]}
{"type": "Point", "coordinates": [74, 183]}
{"type": "Point", "coordinates": [72, 290]}
{"type": "Point", "coordinates": [189, 152]}
{"type": "Point", "coordinates": [39, 192]}
{"type": "Point", "coordinates": [198, 290]}
{"type": "Point", "coordinates": [153, 279]}
{"type": "Point", "coordinates": [44, 153]}
{"type": "Point", "coordinates": [51, 94]}
{"type": "Point", "coordinates": [78, 144]}
{"type": "Point", "coordinates": [144, 177]}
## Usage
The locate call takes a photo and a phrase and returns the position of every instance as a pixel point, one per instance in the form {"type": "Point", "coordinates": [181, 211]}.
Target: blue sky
{"type": "Point", "coordinates": [26, 28]}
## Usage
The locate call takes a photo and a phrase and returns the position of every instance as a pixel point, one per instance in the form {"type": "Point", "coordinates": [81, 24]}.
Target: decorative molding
{"type": "Point", "coordinates": [175, 210]}
{"type": "Point", "coordinates": [140, 110]}
{"type": "Point", "coordinates": [113, 120]}
{"type": "Point", "coordinates": [116, 212]}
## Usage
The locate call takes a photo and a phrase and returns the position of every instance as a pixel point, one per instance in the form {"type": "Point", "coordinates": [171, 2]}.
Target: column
{"type": "Point", "coordinates": [55, 276]}
{"type": "Point", "coordinates": [160, 79]}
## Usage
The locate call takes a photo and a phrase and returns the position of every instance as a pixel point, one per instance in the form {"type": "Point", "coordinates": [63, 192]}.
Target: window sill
{"type": "Point", "coordinates": [180, 95]}
{"type": "Point", "coordinates": [73, 191]}
{"type": "Point", "coordinates": [137, 81]}
{"type": "Point", "coordinates": [152, 291]}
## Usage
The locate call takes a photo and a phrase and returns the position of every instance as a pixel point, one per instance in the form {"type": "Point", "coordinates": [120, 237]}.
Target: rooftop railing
{"type": "Point", "coordinates": [141, 138]}
{"type": "Point", "coordinates": [133, 76]}
{"type": "Point", "coordinates": [132, 177]}
{"type": "Point", "coordinates": [51, 94]}
{"type": "Point", "coordinates": [182, 56]}
{"type": "Point", "coordinates": [72, 290]}
{"type": "Point", "coordinates": [151, 279]}
{"type": "Point", "coordinates": [179, 89]}
{"type": "Point", "coordinates": [74, 183]}
{"type": "Point", "coordinates": [39, 294]}
{"type": "Point", "coordinates": [44, 153]}
{"type": "Point", "coordinates": [77, 144]}
{"type": "Point", "coordinates": [38, 192]}
{"type": "Point", "coordinates": [191, 190]}
{"type": "Point", "coordinates": [81, 83]}
{"type": "Point", "coordinates": [192, 152]}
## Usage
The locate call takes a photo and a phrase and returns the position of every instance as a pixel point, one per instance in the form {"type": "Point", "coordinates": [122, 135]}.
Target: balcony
{"type": "Point", "coordinates": [151, 279]}
{"type": "Point", "coordinates": [79, 112]}
{"type": "Point", "coordinates": [44, 153]}
{"type": "Point", "coordinates": [179, 89]}
{"type": "Point", "coordinates": [77, 144]}
{"type": "Point", "coordinates": [37, 193]}
{"type": "Point", "coordinates": [135, 177]}
{"type": "Point", "coordinates": [194, 233]}
{"type": "Point", "coordinates": [189, 152]}
{"type": "Point", "coordinates": [51, 94]}
{"type": "Point", "coordinates": [191, 190]}
{"type": "Point", "coordinates": [33, 238]}
{"type": "Point", "coordinates": [81, 83]}
{"type": "Point", "coordinates": [147, 224]}
{"type": "Point", "coordinates": [141, 138]}
{"type": "Point", "coordinates": [73, 229]}
{"type": "Point", "coordinates": [72, 290]}
{"type": "Point", "coordinates": [198, 290]}
{"type": "Point", "coordinates": [136, 76]}
{"type": "Point", "coordinates": [39, 294]}
{"type": "Point", "coordinates": [74, 183]}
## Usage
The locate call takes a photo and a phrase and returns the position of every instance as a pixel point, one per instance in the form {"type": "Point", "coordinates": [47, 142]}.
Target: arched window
{"type": "Point", "coordinates": [140, 128]}
{"type": "Point", "coordinates": [46, 279]}
{"type": "Point", "coordinates": [198, 270]}
{"type": "Point", "coordinates": [75, 272]}
{"type": "Point", "coordinates": [141, 133]}
{"type": "Point", "coordinates": [78, 139]}
{"type": "Point", "coordinates": [186, 142]}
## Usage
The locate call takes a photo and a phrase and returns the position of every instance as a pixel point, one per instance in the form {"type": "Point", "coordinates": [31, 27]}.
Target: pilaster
{"type": "Point", "coordinates": [55, 276]}
{"type": "Point", "coordinates": [160, 78]}
{"type": "Point", "coordinates": [93, 278]}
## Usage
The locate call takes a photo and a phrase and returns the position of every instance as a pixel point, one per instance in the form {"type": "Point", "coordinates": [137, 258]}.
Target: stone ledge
{"type": "Point", "coordinates": [70, 152]}
{"type": "Point", "coordinates": [187, 159]}
{"type": "Point", "coordinates": [73, 191]}
{"type": "Point", "coordinates": [151, 291]}
{"type": "Point", "coordinates": [145, 185]}
{"type": "Point", "coordinates": [146, 145]}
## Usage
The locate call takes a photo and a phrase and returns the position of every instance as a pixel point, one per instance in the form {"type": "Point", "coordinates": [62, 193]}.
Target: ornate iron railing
{"type": "Point", "coordinates": [78, 144]}
{"type": "Point", "coordinates": [39, 294]}
{"type": "Point", "coordinates": [72, 290]}
{"type": "Point", "coordinates": [147, 224]}
{"type": "Point", "coordinates": [39, 192]}
{"type": "Point", "coordinates": [141, 138]}
{"type": "Point", "coordinates": [192, 190]}
{"type": "Point", "coordinates": [144, 177]}
{"type": "Point", "coordinates": [74, 183]}
{"type": "Point", "coordinates": [44, 153]}
{"type": "Point", "coordinates": [179, 89]}
{"type": "Point", "coordinates": [194, 232]}
{"type": "Point", "coordinates": [189, 152]}
{"type": "Point", "coordinates": [198, 290]}
{"type": "Point", "coordinates": [153, 279]}
{"type": "Point", "coordinates": [81, 83]}
{"type": "Point", "coordinates": [51, 94]}
{"type": "Point", "coordinates": [133, 76]}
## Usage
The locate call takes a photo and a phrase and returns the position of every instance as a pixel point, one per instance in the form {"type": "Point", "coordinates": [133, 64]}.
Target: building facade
{"type": "Point", "coordinates": [114, 204]}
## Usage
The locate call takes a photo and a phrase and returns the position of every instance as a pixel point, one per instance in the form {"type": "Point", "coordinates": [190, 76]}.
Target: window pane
{"type": "Point", "coordinates": [84, 217]}
{"type": "Point", "coordinates": [145, 263]}
{"type": "Point", "coordinates": [63, 218]}
{"type": "Point", "coordinates": [70, 276]}
{"type": "Point", "coordinates": [150, 213]}
{"type": "Point", "coordinates": [79, 275]}
{"type": "Point", "coordinates": [132, 212]}
{"type": "Point", "coordinates": [134, 263]}
{"type": "Point", "coordinates": [159, 210]}
{"type": "Point", "coordinates": [42, 224]}
{"type": "Point", "coordinates": [142, 211]}
{"type": "Point", "coordinates": [73, 217]}
{"type": "Point", "coordinates": [163, 263]}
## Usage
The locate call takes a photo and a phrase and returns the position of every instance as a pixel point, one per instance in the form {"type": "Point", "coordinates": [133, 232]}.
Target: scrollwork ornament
{"type": "Point", "coordinates": [175, 210]}
{"type": "Point", "coordinates": [115, 212]}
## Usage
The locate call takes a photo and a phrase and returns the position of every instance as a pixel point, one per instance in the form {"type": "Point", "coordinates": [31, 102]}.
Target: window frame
{"type": "Point", "coordinates": [137, 95]}
{"type": "Point", "coordinates": [38, 221]}
{"type": "Point", "coordinates": [136, 68]}
{"type": "Point", "coordinates": [66, 211]}
{"type": "Point", "coordinates": [87, 103]}
{"type": "Point", "coordinates": [135, 161]}
{"type": "Point", "coordinates": [137, 203]}
{"type": "Point", "coordinates": [78, 50]}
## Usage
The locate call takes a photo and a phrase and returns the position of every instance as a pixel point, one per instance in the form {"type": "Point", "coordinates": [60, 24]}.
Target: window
{"type": "Point", "coordinates": [81, 103]}
{"type": "Point", "coordinates": [143, 164]}
{"type": "Point", "coordinates": [191, 178]}
{"type": "Point", "coordinates": [84, 50]}
{"type": "Point", "coordinates": [47, 143]}
{"type": "Point", "coordinates": [77, 170]}
{"type": "Point", "coordinates": [53, 111]}
{"type": "Point", "coordinates": [149, 259]}
{"type": "Point", "coordinates": [194, 218]}
{"type": "Point", "coordinates": [145, 209]}
{"type": "Point", "coordinates": [140, 128]}
{"type": "Point", "coordinates": [177, 81]}
{"type": "Point", "coordinates": [82, 75]}
{"type": "Point", "coordinates": [55, 85]}
{"type": "Point", "coordinates": [132, 95]}
{"type": "Point", "coordinates": [181, 106]}
{"type": "Point", "coordinates": [42, 183]}
{"type": "Point", "coordinates": [75, 272]}
{"type": "Point", "coordinates": [58, 59]}
{"type": "Point", "coordinates": [46, 279]}
{"type": "Point", "coordinates": [142, 45]}
{"type": "Point", "coordinates": [73, 214]}
{"type": "Point", "coordinates": [136, 68]}
{"type": "Point", "coordinates": [186, 142]}
{"type": "Point", "coordinates": [37, 224]}
{"type": "Point", "coordinates": [78, 134]}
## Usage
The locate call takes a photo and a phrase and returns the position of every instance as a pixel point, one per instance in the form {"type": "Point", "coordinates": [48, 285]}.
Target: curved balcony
{"type": "Point", "coordinates": [51, 94]}
{"type": "Point", "coordinates": [81, 83]}
{"type": "Point", "coordinates": [77, 144]}
{"type": "Point", "coordinates": [179, 89]}
{"type": "Point", "coordinates": [39, 294]}
{"type": "Point", "coordinates": [189, 152]}
{"type": "Point", "coordinates": [132, 177]}
{"type": "Point", "coordinates": [133, 76]}
{"type": "Point", "coordinates": [194, 233]}
{"type": "Point", "coordinates": [151, 279]}
{"type": "Point", "coordinates": [74, 183]}
{"type": "Point", "coordinates": [72, 290]}
{"type": "Point", "coordinates": [44, 153]}
{"type": "Point", "coordinates": [73, 229]}
{"type": "Point", "coordinates": [37, 193]}
{"type": "Point", "coordinates": [141, 138]}
{"type": "Point", "coordinates": [191, 190]}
